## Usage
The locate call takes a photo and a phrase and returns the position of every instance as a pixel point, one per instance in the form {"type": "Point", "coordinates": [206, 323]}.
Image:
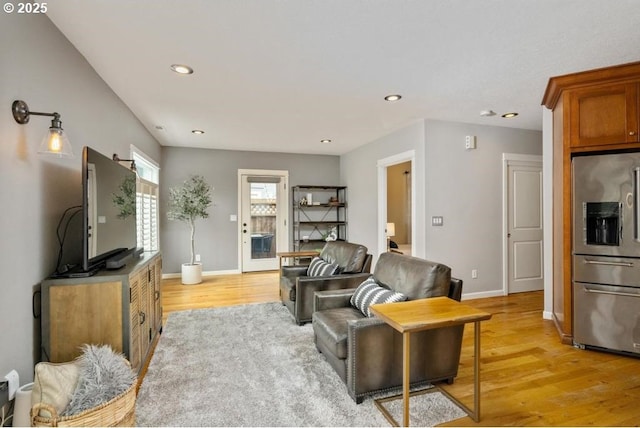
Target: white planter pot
{"type": "Point", "coordinates": [191, 274]}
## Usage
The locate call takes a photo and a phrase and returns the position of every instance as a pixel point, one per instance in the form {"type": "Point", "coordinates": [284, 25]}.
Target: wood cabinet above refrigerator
{"type": "Point", "coordinates": [593, 111]}
{"type": "Point", "coordinates": [603, 115]}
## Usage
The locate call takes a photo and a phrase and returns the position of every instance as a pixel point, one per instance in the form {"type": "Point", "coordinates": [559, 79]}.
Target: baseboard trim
{"type": "Point", "coordinates": [206, 273]}
{"type": "Point", "coordinates": [482, 294]}
{"type": "Point", "coordinates": [547, 315]}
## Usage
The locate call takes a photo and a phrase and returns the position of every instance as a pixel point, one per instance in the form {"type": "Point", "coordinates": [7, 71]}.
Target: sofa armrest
{"type": "Point", "coordinates": [306, 286]}
{"type": "Point", "coordinates": [341, 281]}
{"type": "Point", "coordinates": [294, 271]}
{"type": "Point", "coordinates": [332, 299]}
{"type": "Point", "coordinates": [363, 326]}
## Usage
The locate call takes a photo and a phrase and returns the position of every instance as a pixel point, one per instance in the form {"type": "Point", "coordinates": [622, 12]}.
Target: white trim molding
{"type": "Point", "coordinates": [383, 164]}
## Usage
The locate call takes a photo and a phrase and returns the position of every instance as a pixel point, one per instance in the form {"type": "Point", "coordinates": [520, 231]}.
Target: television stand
{"type": "Point", "coordinates": [120, 308]}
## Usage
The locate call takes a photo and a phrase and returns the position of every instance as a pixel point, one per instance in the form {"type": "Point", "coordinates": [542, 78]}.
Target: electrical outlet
{"type": "Point", "coordinates": [474, 273]}
{"type": "Point", "coordinates": [197, 257]}
{"type": "Point", "coordinates": [13, 380]}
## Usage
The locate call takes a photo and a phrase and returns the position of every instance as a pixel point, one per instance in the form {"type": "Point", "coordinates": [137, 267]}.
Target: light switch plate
{"type": "Point", "coordinates": [437, 220]}
{"type": "Point", "coordinates": [470, 142]}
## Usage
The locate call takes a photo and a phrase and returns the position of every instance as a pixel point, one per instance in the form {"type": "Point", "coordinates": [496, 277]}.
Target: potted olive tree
{"type": "Point", "coordinates": [187, 203]}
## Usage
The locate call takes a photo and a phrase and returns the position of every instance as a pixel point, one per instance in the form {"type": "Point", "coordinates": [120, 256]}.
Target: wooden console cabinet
{"type": "Point", "coordinates": [593, 111]}
{"type": "Point", "coordinates": [120, 308]}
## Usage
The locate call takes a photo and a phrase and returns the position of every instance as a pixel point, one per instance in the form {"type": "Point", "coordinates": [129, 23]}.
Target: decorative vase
{"type": "Point", "coordinates": [191, 273]}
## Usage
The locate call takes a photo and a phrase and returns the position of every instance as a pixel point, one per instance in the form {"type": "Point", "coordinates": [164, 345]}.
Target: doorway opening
{"type": "Point", "coordinates": [396, 204]}
{"type": "Point", "coordinates": [399, 207]}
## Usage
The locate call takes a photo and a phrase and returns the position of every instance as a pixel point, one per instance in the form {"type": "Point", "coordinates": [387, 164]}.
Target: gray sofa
{"type": "Point", "coordinates": [297, 289]}
{"type": "Point", "coordinates": [367, 353]}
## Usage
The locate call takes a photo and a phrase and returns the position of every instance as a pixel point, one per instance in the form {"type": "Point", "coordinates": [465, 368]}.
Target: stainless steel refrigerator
{"type": "Point", "coordinates": [606, 251]}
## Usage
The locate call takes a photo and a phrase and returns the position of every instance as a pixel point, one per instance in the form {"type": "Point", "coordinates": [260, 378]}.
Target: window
{"type": "Point", "coordinates": [147, 192]}
{"type": "Point", "coordinates": [146, 167]}
{"type": "Point", "coordinates": [147, 215]}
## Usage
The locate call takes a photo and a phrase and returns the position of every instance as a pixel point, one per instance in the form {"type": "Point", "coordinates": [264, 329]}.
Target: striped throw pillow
{"type": "Point", "coordinates": [319, 267]}
{"type": "Point", "coordinates": [370, 293]}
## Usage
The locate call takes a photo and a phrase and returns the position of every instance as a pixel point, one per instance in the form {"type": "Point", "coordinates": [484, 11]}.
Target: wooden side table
{"type": "Point", "coordinates": [425, 314]}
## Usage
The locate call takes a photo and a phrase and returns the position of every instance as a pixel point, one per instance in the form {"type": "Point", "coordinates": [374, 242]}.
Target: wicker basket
{"type": "Point", "coordinates": [118, 412]}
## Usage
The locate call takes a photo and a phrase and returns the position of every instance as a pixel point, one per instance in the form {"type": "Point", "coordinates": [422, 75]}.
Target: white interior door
{"type": "Point", "coordinates": [524, 226]}
{"type": "Point", "coordinates": [263, 219]}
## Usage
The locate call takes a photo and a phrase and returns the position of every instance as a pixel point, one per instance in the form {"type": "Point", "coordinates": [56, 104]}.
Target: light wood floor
{"type": "Point", "coordinates": [528, 377]}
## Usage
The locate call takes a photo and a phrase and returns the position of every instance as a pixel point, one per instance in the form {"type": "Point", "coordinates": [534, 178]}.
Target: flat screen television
{"type": "Point", "coordinates": [109, 237]}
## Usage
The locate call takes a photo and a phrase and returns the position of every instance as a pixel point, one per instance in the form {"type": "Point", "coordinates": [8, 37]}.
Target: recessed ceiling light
{"type": "Point", "coordinates": [198, 131]}
{"type": "Point", "coordinates": [182, 69]}
{"type": "Point", "coordinates": [509, 115]}
{"type": "Point", "coordinates": [394, 97]}
{"type": "Point", "coordinates": [325, 141]}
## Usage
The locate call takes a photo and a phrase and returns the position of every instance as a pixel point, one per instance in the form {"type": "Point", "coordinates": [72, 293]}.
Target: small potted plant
{"type": "Point", "coordinates": [187, 203]}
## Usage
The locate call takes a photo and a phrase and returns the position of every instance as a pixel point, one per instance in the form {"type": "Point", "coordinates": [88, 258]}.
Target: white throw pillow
{"type": "Point", "coordinates": [54, 384]}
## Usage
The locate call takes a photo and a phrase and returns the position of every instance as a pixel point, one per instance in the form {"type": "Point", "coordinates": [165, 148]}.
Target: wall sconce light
{"type": "Point", "coordinates": [116, 158]}
{"type": "Point", "coordinates": [55, 142]}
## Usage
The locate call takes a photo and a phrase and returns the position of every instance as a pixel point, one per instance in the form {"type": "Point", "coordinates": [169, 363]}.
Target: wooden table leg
{"type": "Point", "coordinates": [406, 366]}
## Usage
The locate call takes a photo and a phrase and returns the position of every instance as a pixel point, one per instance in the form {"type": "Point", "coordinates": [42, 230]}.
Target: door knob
{"type": "Point", "coordinates": [244, 224]}
{"type": "Point", "coordinates": [508, 235]}
{"type": "Point", "coordinates": [632, 133]}
{"type": "Point", "coordinates": [244, 231]}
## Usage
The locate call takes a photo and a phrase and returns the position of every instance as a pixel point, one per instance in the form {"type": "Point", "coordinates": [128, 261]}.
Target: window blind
{"type": "Point", "coordinates": [147, 215]}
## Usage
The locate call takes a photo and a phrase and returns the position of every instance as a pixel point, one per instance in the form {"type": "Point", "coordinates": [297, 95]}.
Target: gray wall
{"type": "Point", "coordinates": [359, 173]}
{"type": "Point", "coordinates": [216, 237]}
{"type": "Point", "coordinates": [465, 187]}
{"type": "Point", "coordinates": [42, 68]}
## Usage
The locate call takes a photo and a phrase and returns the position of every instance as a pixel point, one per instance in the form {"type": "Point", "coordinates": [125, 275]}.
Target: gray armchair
{"type": "Point", "coordinates": [367, 353]}
{"type": "Point", "coordinates": [297, 289]}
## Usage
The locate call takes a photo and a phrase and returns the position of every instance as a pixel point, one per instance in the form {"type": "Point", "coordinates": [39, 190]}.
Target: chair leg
{"type": "Point", "coordinates": [449, 381]}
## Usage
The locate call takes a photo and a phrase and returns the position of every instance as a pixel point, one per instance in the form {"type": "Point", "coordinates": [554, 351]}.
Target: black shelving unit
{"type": "Point", "coordinates": [312, 222]}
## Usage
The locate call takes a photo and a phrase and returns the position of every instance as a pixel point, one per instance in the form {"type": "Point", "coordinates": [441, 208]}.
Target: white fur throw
{"type": "Point", "coordinates": [104, 374]}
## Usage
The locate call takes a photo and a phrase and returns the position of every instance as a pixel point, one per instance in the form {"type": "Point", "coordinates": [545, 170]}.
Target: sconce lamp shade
{"type": "Point", "coordinates": [55, 142]}
{"type": "Point", "coordinates": [391, 229]}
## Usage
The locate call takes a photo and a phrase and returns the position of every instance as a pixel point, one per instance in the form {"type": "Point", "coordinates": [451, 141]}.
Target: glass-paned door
{"type": "Point", "coordinates": [263, 221]}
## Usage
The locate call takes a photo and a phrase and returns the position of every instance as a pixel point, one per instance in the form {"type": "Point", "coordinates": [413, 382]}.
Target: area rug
{"type": "Point", "coordinates": [251, 365]}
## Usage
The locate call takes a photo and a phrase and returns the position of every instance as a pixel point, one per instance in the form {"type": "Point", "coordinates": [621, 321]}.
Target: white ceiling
{"type": "Point", "coordinates": [280, 75]}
